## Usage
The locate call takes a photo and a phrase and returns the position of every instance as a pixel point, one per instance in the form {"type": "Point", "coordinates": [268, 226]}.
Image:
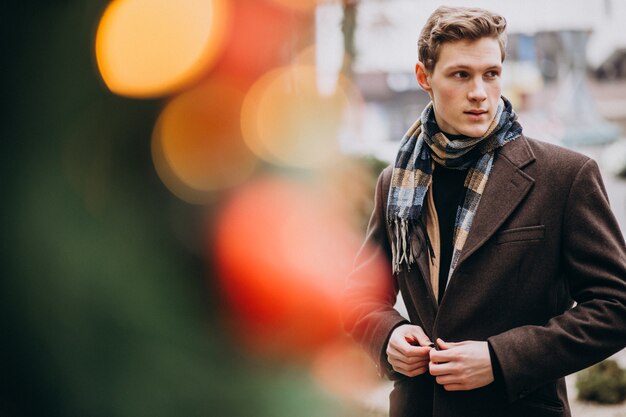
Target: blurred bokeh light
{"type": "Point", "coordinates": [301, 6]}
{"type": "Point", "coordinates": [286, 121]}
{"type": "Point", "coordinates": [345, 370]}
{"type": "Point", "coordinates": [264, 36]}
{"type": "Point", "coordinates": [148, 48]}
{"type": "Point", "coordinates": [282, 253]}
{"type": "Point", "coordinates": [197, 144]}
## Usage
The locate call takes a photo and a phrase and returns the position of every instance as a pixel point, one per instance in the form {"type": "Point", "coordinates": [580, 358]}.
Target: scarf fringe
{"type": "Point", "coordinates": [401, 245]}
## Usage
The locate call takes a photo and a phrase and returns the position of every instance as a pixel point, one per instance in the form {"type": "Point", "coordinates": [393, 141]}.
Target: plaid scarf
{"type": "Point", "coordinates": [413, 170]}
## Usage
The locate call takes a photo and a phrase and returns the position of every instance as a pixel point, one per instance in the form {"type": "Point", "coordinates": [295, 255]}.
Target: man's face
{"type": "Point", "coordinates": [464, 85]}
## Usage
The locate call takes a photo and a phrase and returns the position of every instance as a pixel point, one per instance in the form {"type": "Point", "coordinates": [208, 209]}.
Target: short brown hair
{"type": "Point", "coordinates": [452, 24]}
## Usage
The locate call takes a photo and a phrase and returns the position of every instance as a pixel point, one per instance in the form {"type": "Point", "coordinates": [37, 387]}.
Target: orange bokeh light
{"type": "Point", "coordinates": [149, 48]}
{"type": "Point", "coordinates": [264, 36]}
{"type": "Point", "coordinates": [301, 6]}
{"type": "Point", "coordinates": [197, 144]}
{"type": "Point", "coordinates": [286, 121]}
{"type": "Point", "coordinates": [344, 369]}
{"type": "Point", "coordinates": [282, 254]}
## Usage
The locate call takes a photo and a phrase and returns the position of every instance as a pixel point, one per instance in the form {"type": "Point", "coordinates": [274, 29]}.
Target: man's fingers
{"type": "Point", "coordinates": [417, 351]}
{"type": "Point", "coordinates": [442, 356]}
{"type": "Point", "coordinates": [461, 366]}
{"type": "Point", "coordinates": [409, 335]}
{"type": "Point", "coordinates": [406, 349]}
{"type": "Point", "coordinates": [437, 369]}
{"type": "Point", "coordinates": [446, 380]}
{"type": "Point", "coordinates": [405, 367]}
{"type": "Point", "coordinates": [408, 371]}
{"type": "Point", "coordinates": [446, 345]}
{"type": "Point", "coordinates": [454, 387]}
{"type": "Point", "coordinates": [446, 351]}
{"type": "Point", "coordinates": [416, 336]}
{"type": "Point", "coordinates": [411, 360]}
{"type": "Point", "coordinates": [444, 375]}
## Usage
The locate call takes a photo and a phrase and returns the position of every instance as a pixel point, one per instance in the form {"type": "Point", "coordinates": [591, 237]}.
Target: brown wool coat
{"type": "Point", "coordinates": [543, 238]}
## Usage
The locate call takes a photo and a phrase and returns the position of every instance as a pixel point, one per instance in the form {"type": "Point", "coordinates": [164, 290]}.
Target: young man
{"type": "Point", "coordinates": [508, 258]}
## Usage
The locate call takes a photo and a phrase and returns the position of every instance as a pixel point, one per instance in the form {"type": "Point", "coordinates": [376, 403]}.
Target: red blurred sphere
{"type": "Point", "coordinates": [282, 257]}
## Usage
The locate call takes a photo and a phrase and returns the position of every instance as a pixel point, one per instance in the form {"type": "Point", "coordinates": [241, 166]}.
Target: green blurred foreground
{"type": "Point", "coordinates": [105, 304]}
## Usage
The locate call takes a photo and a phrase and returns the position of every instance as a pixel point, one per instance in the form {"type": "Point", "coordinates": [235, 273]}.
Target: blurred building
{"type": "Point", "coordinates": [552, 45]}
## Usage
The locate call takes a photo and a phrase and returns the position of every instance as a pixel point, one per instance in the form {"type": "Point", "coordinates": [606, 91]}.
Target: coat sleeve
{"type": "Point", "coordinates": [369, 316]}
{"type": "Point", "coordinates": [593, 262]}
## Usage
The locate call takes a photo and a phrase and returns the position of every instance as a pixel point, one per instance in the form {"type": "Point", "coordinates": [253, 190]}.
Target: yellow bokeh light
{"type": "Point", "coordinates": [197, 145]}
{"type": "Point", "coordinates": [148, 48]}
{"type": "Point", "coordinates": [286, 121]}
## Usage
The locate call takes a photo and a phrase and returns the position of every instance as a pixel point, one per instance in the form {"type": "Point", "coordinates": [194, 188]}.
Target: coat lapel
{"type": "Point", "coordinates": [419, 288]}
{"type": "Point", "coordinates": [507, 186]}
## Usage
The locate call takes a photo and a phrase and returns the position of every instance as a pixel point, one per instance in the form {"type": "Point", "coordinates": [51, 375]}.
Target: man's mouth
{"type": "Point", "coordinates": [476, 112]}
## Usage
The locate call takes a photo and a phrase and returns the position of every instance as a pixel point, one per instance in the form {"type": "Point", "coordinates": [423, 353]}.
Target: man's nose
{"type": "Point", "coordinates": [477, 91]}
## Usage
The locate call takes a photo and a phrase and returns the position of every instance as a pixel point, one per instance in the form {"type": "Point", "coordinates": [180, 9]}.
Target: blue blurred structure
{"type": "Point", "coordinates": [574, 105]}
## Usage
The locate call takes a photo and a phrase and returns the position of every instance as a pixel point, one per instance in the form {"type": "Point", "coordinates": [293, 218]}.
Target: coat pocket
{"type": "Point", "coordinates": [521, 234]}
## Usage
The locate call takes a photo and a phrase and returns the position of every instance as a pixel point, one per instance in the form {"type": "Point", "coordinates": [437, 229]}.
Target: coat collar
{"type": "Point", "coordinates": [518, 152]}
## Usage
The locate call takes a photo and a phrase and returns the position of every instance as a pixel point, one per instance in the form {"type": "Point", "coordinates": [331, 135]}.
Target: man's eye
{"type": "Point", "coordinates": [460, 74]}
{"type": "Point", "coordinates": [492, 74]}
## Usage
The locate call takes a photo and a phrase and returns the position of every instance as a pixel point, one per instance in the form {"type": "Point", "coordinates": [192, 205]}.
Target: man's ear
{"type": "Point", "coordinates": [423, 77]}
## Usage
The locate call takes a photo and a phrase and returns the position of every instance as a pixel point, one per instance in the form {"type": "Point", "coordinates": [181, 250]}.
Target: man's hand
{"type": "Point", "coordinates": [408, 349]}
{"type": "Point", "coordinates": [461, 366]}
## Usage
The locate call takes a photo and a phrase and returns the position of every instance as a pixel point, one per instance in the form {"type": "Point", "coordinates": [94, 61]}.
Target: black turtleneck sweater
{"type": "Point", "coordinates": [448, 194]}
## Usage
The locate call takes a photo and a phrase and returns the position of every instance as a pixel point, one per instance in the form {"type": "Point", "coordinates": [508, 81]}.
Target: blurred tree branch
{"type": "Point", "coordinates": [348, 28]}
